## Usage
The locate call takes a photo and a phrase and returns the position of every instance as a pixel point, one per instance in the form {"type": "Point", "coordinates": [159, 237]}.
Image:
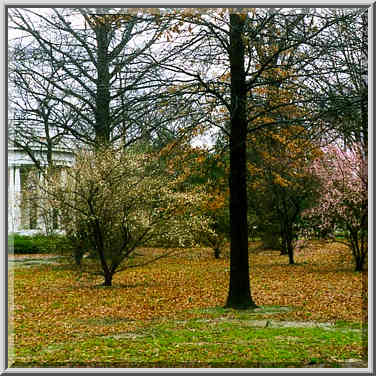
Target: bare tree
{"type": "Point", "coordinates": [342, 95]}
{"type": "Point", "coordinates": [101, 73]}
{"type": "Point", "coordinates": [39, 123]}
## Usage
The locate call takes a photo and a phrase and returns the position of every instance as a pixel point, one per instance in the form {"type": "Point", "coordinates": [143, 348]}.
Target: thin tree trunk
{"type": "Point", "coordinates": [239, 295]}
{"type": "Point", "coordinates": [284, 244]}
{"type": "Point", "coordinates": [108, 279]}
{"type": "Point", "coordinates": [289, 242]}
{"type": "Point", "coordinates": [291, 253]}
{"type": "Point", "coordinates": [359, 264]}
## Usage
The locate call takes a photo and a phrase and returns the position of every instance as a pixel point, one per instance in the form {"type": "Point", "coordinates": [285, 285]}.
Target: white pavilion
{"type": "Point", "coordinates": [19, 165]}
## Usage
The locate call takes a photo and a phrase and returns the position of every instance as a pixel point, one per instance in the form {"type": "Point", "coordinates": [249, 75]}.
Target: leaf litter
{"type": "Point", "coordinates": [52, 306]}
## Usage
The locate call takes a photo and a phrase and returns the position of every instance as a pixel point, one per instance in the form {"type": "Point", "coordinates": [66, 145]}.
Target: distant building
{"type": "Point", "coordinates": [20, 217]}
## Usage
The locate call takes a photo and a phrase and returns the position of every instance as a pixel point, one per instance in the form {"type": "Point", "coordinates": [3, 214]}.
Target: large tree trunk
{"type": "Point", "coordinates": [102, 113]}
{"type": "Point", "coordinates": [239, 295]}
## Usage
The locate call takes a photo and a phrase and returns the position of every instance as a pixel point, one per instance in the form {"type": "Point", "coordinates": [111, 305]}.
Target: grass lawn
{"type": "Point", "coordinates": [168, 314]}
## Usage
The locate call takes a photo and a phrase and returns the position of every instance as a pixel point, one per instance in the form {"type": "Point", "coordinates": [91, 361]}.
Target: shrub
{"type": "Point", "coordinates": [111, 201]}
{"type": "Point", "coordinates": [24, 244]}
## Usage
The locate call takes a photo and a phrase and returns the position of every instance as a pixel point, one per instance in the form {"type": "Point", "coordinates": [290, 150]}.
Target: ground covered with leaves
{"type": "Point", "coordinates": [168, 314]}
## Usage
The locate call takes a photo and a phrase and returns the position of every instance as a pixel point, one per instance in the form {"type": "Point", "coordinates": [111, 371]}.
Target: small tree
{"type": "Point", "coordinates": [113, 201]}
{"type": "Point", "coordinates": [281, 185]}
{"type": "Point", "coordinates": [343, 202]}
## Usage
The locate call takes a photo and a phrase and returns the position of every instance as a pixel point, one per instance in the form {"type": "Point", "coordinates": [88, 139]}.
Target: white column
{"type": "Point", "coordinates": [11, 200]}
{"type": "Point", "coordinates": [42, 210]}
{"type": "Point", "coordinates": [17, 199]}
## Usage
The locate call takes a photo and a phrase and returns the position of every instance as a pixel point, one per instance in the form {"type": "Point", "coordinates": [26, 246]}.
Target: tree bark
{"type": "Point", "coordinates": [217, 252]}
{"type": "Point", "coordinates": [359, 264]}
{"type": "Point", "coordinates": [108, 279]}
{"type": "Point", "coordinates": [102, 109]}
{"type": "Point", "coordinates": [291, 253]}
{"type": "Point", "coordinates": [239, 295]}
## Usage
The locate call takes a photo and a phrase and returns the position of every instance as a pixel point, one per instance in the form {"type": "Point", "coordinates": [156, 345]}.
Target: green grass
{"type": "Point", "coordinates": [244, 313]}
{"type": "Point", "coordinates": [201, 342]}
{"type": "Point", "coordinates": [351, 325]}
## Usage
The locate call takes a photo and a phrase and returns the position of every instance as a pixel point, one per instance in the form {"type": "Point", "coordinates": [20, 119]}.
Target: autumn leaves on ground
{"type": "Point", "coordinates": [156, 315]}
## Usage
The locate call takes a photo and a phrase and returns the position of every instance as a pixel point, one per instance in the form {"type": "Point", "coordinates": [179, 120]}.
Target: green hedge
{"type": "Point", "coordinates": [23, 244]}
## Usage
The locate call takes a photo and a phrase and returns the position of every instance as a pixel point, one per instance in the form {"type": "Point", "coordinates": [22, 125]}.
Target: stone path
{"type": "Point", "coordinates": [33, 261]}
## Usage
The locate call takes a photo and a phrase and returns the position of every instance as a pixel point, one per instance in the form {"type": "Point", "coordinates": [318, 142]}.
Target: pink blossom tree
{"type": "Point", "coordinates": [344, 200]}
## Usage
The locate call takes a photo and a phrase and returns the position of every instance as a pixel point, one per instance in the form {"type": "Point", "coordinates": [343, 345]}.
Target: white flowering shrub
{"type": "Point", "coordinates": [112, 201]}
